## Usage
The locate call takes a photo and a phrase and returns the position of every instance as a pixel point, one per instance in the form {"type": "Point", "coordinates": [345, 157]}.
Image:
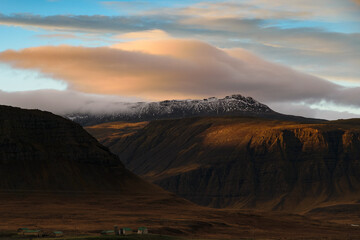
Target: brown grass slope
{"type": "Point", "coordinates": [244, 162]}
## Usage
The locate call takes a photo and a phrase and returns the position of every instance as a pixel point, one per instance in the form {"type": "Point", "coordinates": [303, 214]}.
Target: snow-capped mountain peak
{"type": "Point", "coordinates": [145, 111]}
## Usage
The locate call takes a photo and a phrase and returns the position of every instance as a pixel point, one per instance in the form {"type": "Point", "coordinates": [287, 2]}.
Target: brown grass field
{"type": "Point", "coordinates": [88, 214]}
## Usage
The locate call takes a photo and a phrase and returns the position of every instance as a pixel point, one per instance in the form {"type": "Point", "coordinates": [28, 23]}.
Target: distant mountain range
{"type": "Point", "coordinates": [234, 105]}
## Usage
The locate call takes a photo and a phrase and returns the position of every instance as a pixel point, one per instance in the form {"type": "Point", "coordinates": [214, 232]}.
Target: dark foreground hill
{"type": "Point", "coordinates": [243, 162]}
{"type": "Point", "coordinates": [41, 151]}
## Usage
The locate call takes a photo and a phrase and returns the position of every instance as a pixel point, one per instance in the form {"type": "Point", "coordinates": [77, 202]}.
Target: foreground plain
{"type": "Point", "coordinates": [89, 214]}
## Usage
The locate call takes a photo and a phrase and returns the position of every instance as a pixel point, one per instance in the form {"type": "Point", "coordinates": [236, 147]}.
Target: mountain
{"type": "Point", "coordinates": [40, 151]}
{"type": "Point", "coordinates": [234, 105]}
{"type": "Point", "coordinates": [55, 176]}
{"type": "Point", "coordinates": [242, 162]}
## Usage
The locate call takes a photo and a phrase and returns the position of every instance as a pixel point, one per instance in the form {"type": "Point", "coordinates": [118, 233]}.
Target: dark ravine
{"type": "Point", "coordinates": [234, 105]}
{"type": "Point", "coordinates": [244, 162]}
{"type": "Point", "coordinates": [40, 151]}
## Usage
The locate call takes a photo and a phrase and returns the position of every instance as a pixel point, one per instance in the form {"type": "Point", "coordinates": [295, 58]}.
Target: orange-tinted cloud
{"type": "Point", "coordinates": [168, 69]}
{"type": "Point", "coordinates": [154, 34]}
{"type": "Point", "coordinates": [314, 47]}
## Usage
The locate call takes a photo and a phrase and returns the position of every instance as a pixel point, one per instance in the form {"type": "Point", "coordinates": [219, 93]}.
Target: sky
{"type": "Point", "coordinates": [299, 57]}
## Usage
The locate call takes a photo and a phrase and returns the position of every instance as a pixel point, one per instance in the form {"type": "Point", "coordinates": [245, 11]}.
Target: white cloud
{"type": "Point", "coordinates": [65, 102]}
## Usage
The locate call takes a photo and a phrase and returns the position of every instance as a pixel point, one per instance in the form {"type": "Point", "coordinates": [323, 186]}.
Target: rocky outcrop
{"type": "Point", "coordinates": [40, 151]}
{"type": "Point", "coordinates": [247, 162]}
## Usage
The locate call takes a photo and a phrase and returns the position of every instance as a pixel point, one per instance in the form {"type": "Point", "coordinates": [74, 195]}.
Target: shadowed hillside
{"type": "Point", "coordinates": [244, 162]}
{"type": "Point", "coordinates": [41, 151]}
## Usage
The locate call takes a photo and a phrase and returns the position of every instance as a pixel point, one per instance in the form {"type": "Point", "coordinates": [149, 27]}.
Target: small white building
{"type": "Point", "coordinates": [126, 231]}
{"type": "Point", "coordinates": [142, 230]}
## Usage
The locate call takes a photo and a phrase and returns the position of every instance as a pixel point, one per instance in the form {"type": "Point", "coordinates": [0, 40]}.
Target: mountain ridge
{"type": "Point", "coordinates": [243, 162]}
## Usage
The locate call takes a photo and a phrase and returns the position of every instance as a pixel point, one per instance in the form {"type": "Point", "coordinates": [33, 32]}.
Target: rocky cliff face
{"type": "Point", "coordinates": [246, 162]}
{"type": "Point", "coordinates": [40, 151]}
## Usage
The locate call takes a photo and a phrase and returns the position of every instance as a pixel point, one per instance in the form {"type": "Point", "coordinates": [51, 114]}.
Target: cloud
{"type": "Point", "coordinates": [240, 10]}
{"type": "Point", "coordinates": [318, 52]}
{"type": "Point", "coordinates": [313, 49]}
{"type": "Point", "coordinates": [131, 6]}
{"type": "Point", "coordinates": [84, 23]}
{"type": "Point", "coordinates": [172, 68]}
{"type": "Point", "coordinates": [272, 12]}
{"type": "Point", "coordinates": [307, 111]}
{"type": "Point", "coordinates": [58, 36]}
{"type": "Point", "coordinates": [154, 34]}
{"type": "Point", "coordinates": [66, 102]}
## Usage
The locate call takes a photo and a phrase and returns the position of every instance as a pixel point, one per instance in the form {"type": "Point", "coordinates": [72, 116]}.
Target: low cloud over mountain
{"type": "Point", "coordinates": [172, 68]}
